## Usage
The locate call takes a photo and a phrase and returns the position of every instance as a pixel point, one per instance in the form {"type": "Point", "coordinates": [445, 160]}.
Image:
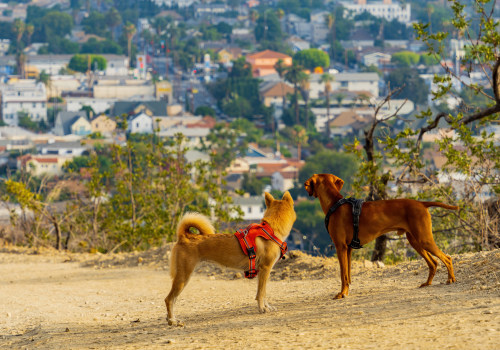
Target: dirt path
{"type": "Point", "coordinates": [58, 301]}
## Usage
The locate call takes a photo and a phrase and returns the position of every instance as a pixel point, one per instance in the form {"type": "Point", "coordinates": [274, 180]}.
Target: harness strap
{"type": "Point", "coordinates": [356, 212]}
{"type": "Point", "coordinates": [247, 238]}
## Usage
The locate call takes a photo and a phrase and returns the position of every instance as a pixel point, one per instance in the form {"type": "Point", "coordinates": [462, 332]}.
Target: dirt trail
{"type": "Point", "coordinates": [77, 301]}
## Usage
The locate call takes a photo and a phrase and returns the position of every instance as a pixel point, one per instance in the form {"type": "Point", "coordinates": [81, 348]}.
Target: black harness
{"type": "Point", "coordinates": [356, 212]}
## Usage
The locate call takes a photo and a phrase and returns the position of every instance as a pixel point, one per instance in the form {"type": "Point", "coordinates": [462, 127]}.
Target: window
{"type": "Point", "coordinates": [249, 210]}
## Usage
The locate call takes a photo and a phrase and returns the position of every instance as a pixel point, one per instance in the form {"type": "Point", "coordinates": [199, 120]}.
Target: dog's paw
{"type": "Point", "coordinates": [339, 296]}
{"type": "Point", "coordinates": [426, 284]}
{"type": "Point", "coordinates": [266, 308]}
{"type": "Point", "coordinates": [175, 322]}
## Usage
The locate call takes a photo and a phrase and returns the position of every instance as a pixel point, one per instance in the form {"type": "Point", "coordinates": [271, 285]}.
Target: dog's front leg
{"type": "Point", "coordinates": [344, 271]}
{"type": "Point", "coordinates": [264, 272]}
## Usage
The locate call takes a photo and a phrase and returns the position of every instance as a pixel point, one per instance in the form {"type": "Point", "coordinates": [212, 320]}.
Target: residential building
{"type": "Point", "coordinates": [298, 44]}
{"type": "Point", "coordinates": [140, 123]}
{"type": "Point", "coordinates": [72, 148]}
{"type": "Point", "coordinates": [382, 9]}
{"type": "Point", "coordinates": [272, 92]}
{"type": "Point", "coordinates": [53, 64]}
{"type": "Point", "coordinates": [23, 96]}
{"type": "Point", "coordinates": [194, 135]}
{"type": "Point", "coordinates": [98, 105]}
{"type": "Point", "coordinates": [40, 165]}
{"type": "Point", "coordinates": [103, 124]}
{"type": "Point", "coordinates": [263, 62]}
{"type": "Point", "coordinates": [72, 123]}
{"type": "Point", "coordinates": [252, 207]}
{"type": "Point", "coordinates": [4, 46]}
{"type": "Point", "coordinates": [377, 59]}
{"type": "Point", "coordinates": [229, 54]}
{"type": "Point", "coordinates": [204, 10]}
{"type": "Point", "coordinates": [172, 3]}
{"type": "Point", "coordinates": [368, 82]}
{"type": "Point", "coordinates": [125, 87]}
{"type": "Point", "coordinates": [151, 108]}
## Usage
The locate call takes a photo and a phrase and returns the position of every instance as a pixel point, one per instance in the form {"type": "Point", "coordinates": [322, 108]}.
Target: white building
{"type": "Point", "coordinates": [382, 9]}
{"type": "Point", "coordinates": [367, 82]}
{"type": "Point", "coordinates": [140, 124]}
{"type": "Point", "coordinates": [252, 207]}
{"type": "Point", "coordinates": [26, 96]}
{"type": "Point", "coordinates": [171, 3]}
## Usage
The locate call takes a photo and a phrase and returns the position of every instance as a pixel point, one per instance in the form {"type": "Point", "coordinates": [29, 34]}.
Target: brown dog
{"type": "Point", "coordinates": [378, 217]}
{"type": "Point", "coordinates": [225, 249]}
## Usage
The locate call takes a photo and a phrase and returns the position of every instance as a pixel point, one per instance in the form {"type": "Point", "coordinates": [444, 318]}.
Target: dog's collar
{"type": "Point", "coordinates": [356, 212]}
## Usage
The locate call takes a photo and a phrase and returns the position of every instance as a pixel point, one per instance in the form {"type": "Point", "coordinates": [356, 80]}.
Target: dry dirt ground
{"type": "Point", "coordinates": [52, 300]}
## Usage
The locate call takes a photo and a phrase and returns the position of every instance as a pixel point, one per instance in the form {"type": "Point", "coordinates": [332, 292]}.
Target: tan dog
{"type": "Point", "coordinates": [378, 217]}
{"type": "Point", "coordinates": [225, 249]}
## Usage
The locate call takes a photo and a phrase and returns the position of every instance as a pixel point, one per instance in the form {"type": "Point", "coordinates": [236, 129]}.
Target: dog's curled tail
{"type": "Point", "coordinates": [196, 220]}
{"type": "Point", "coordinates": [439, 204]}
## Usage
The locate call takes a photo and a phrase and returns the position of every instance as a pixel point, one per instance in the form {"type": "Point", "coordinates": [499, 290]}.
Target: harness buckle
{"type": "Point", "coordinates": [251, 252]}
{"type": "Point", "coordinates": [251, 273]}
{"type": "Point", "coordinates": [355, 244]}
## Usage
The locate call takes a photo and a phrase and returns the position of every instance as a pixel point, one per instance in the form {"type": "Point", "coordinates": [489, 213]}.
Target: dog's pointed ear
{"type": "Point", "coordinates": [287, 197]}
{"type": "Point", "coordinates": [269, 199]}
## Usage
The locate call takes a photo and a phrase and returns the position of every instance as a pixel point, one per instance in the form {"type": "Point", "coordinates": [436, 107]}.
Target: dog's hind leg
{"type": "Point", "coordinates": [432, 248]}
{"type": "Point", "coordinates": [422, 232]}
{"type": "Point", "coordinates": [181, 278]}
{"type": "Point", "coordinates": [427, 257]}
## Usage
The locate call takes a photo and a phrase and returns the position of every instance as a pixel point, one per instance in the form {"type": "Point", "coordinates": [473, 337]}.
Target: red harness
{"type": "Point", "coordinates": [247, 237]}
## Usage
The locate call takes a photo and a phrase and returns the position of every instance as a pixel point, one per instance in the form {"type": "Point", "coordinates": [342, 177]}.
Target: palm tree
{"type": "Point", "coordinates": [294, 74]}
{"type": "Point", "coordinates": [254, 16]}
{"type": "Point", "coordinates": [304, 91]}
{"type": "Point", "coordinates": [299, 136]}
{"type": "Point", "coordinates": [280, 68]}
{"type": "Point", "coordinates": [339, 98]}
{"type": "Point", "coordinates": [327, 79]}
{"type": "Point", "coordinates": [430, 11]}
{"type": "Point", "coordinates": [330, 22]}
{"type": "Point", "coordinates": [19, 27]}
{"type": "Point", "coordinates": [130, 31]}
{"type": "Point", "coordinates": [114, 19]}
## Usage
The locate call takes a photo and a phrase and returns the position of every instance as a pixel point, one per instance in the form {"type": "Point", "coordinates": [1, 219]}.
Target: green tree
{"type": "Point", "coordinates": [56, 23]}
{"type": "Point", "coordinates": [312, 58]}
{"type": "Point", "coordinates": [268, 27]}
{"type": "Point", "coordinates": [205, 110]}
{"type": "Point", "coordinates": [294, 75]}
{"type": "Point", "coordinates": [83, 63]}
{"type": "Point", "coordinates": [342, 165]}
{"type": "Point", "coordinates": [130, 31]}
{"type": "Point", "coordinates": [327, 80]}
{"type": "Point", "coordinates": [405, 58]}
{"type": "Point", "coordinates": [113, 20]}
{"type": "Point", "coordinates": [414, 89]}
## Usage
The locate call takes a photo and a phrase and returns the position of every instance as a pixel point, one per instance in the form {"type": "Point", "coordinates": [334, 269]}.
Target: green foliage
{"type": "Point", "coordinates": [252, 185]}
{"type": "Point", "coordinates": [134, 196]}
{"type": "Point", "coordinates": [414, 89]}
{"type": "Point", "coordinates": [95, 46]}
{"type": "Point", "coordinates": [82, 63]}
{"type": "Point", "coordinates": [204, 110]}
{"type": "Point", "coordinates": [312, 58]}
{"type": "Point", "coordinates": [311, 224]}
{"type": "Point", "coordinates": [268, 27]}
{"type": "Point", "coordinates": [405, 58]}
{"type": "Point", "coordinates": [330, 162]}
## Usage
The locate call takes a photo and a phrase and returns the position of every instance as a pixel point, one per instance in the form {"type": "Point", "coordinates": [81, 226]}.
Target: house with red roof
{"type": "Point", "coordinates": [263, 62]}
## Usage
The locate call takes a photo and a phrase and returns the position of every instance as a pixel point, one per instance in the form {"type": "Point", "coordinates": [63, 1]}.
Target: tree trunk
{"type": "Point", "coordinates": [380, 248]}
